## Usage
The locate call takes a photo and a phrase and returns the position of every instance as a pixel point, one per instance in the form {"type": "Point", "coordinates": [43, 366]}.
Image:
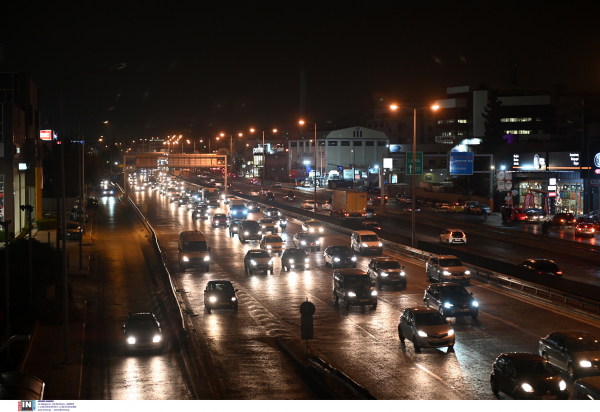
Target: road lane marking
{"type": "Point", "coordinates": [424, 369]}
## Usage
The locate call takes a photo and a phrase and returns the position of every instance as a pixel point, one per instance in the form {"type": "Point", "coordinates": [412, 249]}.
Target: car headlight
{"type": "Point", "coordinates": [306, 260]}
{"type": "Point", "coordinates": [383, 274]}
{"type": "Point", "coordinates": [336, 259]}
{"type": "Point", "coordinates": [268, 247]}
{"type": "Point", "coordinates": [562, 385]}
{"type": "Point", "coordinates": [270, 261]}
{"type": "Point", "coordinates": [263, 226]}
{"type": "Point", "coordinates": [320, 229]}
{"type": "Point", "coordinates": [246, 233]}
{"type": "Point", "coordinates": [260, 232]}
{"type": "Point", "coordinates": [448, 305]}
{"type": "Point", "coordinates": [475, 303]}
{"type": "Point", "coordinates": [585, 364]}
{"type": "Point", "coordinates": [206, 258]}
{"type": "Point", "coordinates": [353, 258]}
{"type": "Point", "coordinates": [213, 299]}
{"type": "Point", "coordinates": [233, 298]}
{"type": "Point", "coordinates": [467, 272]}
{"type": "Point", "coordinates": [303, 242]}
{"type": "Point", "coordinates": [186, 259]}
{"type": "Point", "coordinates": [156, 338]}
{"type": "Point", "coordinates": [446, 273]}
{"type": "Point", "coordinates": [402, 273]}
{"type": "Point", "coordinates": [451, 332]}
{"type": "Point", "coordinates": [365, 245]}
{"type": "Point", "coordinates": [311, 230]}
{"type": "Point", "coordinates": [527, 387]}
{"type": "Point", "coordinates": [253, 262]}
{"type": "Point", "coordinates": [380, 244]}
{"type": "Point", "coordinates": [131, 340]}
{"type": "Point", "coordinates": [421, 334]}
{"type": "Point", "coordinates": [235, 229]}
{"type": "Point", "coordinates": [351, 294]}
{"type": "Point", "coordinates": [373, 293]}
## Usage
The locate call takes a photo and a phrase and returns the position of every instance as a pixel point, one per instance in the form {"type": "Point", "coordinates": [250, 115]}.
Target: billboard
{"type": "Point", "coordinates": [461, 163]}
{"type": "Point", "coordinates": [46, 135]}
{"type": "Point", "coordinates": [534, 162]}
{"type": "Point", "coordinates": [564, 160]}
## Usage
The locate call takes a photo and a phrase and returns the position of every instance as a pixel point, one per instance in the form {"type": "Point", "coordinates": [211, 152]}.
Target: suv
{"type": "Point", "coordinates": [290, 197]}
{"type": "Point", "coordinates": [293, 258]}
{"type": "Point", "coordinates": [563, 219]}
{"type": "Point", "coordinates": [249, 230]}
{"type": "Point", "coordinates": [451, 299]}
{"type": "Point", "coordinates": [363, 241]}
{"type": "Point", "coordinates": [386, 271]}
{"type": "Point", "coordinates": [220, 294]}
{"type": "Point", "coordinates": [447, 268]}
{"type": "Point", "coordinates": [270, 196]}
{"type": "Point", "coordinates": [193, 251]}
{"type": "Point", "coordinates": [142, 331]}
{"type": "Point", "coordinates": [354, 287]}
{"type": "Point", "coordinates": [257, 259]}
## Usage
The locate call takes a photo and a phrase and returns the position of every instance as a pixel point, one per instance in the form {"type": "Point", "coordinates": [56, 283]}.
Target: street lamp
{"type": "Point", "coordinates": [263, 155]}
{"type": "Point", "coordinates": [414, 171]}
{"type": "Point", "coordinates": [315, 149]}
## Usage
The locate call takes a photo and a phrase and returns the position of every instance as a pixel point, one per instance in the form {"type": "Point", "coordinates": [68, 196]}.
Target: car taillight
{"type": "Point", "coordinates": [559, 273]}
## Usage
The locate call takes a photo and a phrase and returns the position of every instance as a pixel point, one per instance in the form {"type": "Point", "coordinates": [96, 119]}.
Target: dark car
{"type": "Point", "coordinates": [591, 220]}
{"type": "Point", "coordinates": [213, 200]}
{"type": "Point", "coordinates": [220, 294]}
{"type": "Point", "coordinates": [252, 207]}
{"type": "Point", "coordinates": [289, 197]}
{"type": "Point", "coordinates": [386, 271]}
{"type": "Point", "coordinates": [234, 227]}
{"type": "Point", "coordinates": [92, 203]}
{"type": "Point", "coordinates": [574, 351]}
{"type": "Point", "coordinates": [339, 256]}
{"type": "Point", "coordinates": [542, 266]}
{"type": "Point", "coordinates": [526, 376]}
{"type": "Point", "coordinates": [563, 219]}
{"type": "Point", "coordinates": [451, 299]}
{"type": "Point", "coordinates": [307, 241]}
{"type": "Point", "coordinates": [142, 331]}
{"type": "Point", "coordinates": [220, 220]}
{"type": "Point", "coordinates": [294, 258]}
{"type": "Point", "coordinates": [183, 200]}
{"type": "Point", "coordinates": [272, 213]}
{"type": "Point", "coordinates": [249, 230]}
{"type": "Point", "coordinates": [258, 260]}
{"type": "Point", "coordinates": [270, 196]}
{"type": "Point", "coordinates": [74, 231]}
{"type": "Point", "coordinates": [354, 287]}
{"type": "Point", "coordinates": [541, 212]}
{"type": "Point", "coordinates": [200, 212]}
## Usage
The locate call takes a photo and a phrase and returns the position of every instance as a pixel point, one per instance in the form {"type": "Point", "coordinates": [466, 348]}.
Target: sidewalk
{"type": "Point", "coordinates": [45, 358]}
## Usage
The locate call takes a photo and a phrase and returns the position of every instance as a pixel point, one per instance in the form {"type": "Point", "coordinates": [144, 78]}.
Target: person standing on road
{"type": "Point", "coordinates": [483, 213]}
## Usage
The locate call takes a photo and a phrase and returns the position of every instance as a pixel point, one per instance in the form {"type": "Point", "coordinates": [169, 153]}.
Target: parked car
{"type": "Point", "coordinates": [386, 271]}
{"type": "Point", "coordinates": [272, 243]}
{"type": "Point", "coordinates": [451, 299]}
{"type": "Point", "coordinates": [339, 256]}
{"type": "Point", "coordinates": [141, 331]}
{"type": "Point", "coordinates": [294, 258]}
{"type": "Point", "coordinates": [74, 230]}
{"type": "Point", "coordinates": [307, 241]}
{"type": "Point", "coordinates": [446, 268]}
{"type": "Point", "coordinates": [257, 260]}
{"type": "Point", "coordinates": [479, 208]}
{"type": "Point", "coordinates": [354, 287]}
{"type": "Point", "coordinates": [574, 351]}
{"type": "Point", "coordinates": [425, 328]}
{"type": "Point", "coordinates": [453, 236]}
{"type": "Point", "coordinates": [526, 376]}
{"type": "Point", "coordinates": [542, 266]}
{"type": "Point", "coordinates": [220, 294]}
{"type": "Point", "coordinates": [587, 389]}
{"type": "Point", "coordinates": [92, 203]}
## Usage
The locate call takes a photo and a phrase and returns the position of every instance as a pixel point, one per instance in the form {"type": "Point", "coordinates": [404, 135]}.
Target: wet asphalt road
{"type": "Point", "coordinates": [361, 341]}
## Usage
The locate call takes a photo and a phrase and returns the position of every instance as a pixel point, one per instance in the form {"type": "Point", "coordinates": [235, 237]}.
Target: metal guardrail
{"type": "Point", "coordinates": [325, 369]}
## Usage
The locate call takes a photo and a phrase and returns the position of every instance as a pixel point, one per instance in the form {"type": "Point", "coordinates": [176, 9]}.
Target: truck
{"type": "Point", "coordinates": [237, 209]}
{"type": "Point", "coordinates": [349, 204]}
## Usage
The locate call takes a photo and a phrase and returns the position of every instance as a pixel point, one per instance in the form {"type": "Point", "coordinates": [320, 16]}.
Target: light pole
{"type": "Point", "coordinates": [315, 149]}
{"type": "Point", "coordinates": [263, 155]}
{"type": "Point", "coordinates": [7, 282]}
{"type": "Point", "coordinates": [414, 168]}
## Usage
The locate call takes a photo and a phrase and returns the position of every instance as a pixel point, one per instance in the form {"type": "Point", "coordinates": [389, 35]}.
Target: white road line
{"type": "Point", "coordinates": [424, 369]}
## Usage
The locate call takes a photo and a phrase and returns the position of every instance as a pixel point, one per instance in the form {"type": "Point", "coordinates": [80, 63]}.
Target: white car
{"type": "Point", "coordinates": [254, 193]}
{"type": "Point", "coordinates": [308, 205]}
{"type": "Point", "coordinates": [453, 236]}
{"type": "Point", "coordinates": [326, 206]}
{"type": "Point", "coordinates": [278, 184]}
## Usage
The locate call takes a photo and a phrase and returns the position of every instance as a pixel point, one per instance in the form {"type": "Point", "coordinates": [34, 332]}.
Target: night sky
{"type": "Point", "coordinates": [199, 70]}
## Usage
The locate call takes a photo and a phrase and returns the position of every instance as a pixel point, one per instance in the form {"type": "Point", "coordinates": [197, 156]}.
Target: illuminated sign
{"type": "Point", "coordinates": [552, 194]}
{"type": "Point", "coordinates": [564, 161]}
{"type": "Point", "coordinates": [597, 160]}
{"type": "Point", "coordinates": [388, 163]}
{"type": "Point", "coordinates": [45, 134]}
{"type": "Point", "coordinates": [22, 166]}
{"type": "Point", "coordinates": [535, 162]}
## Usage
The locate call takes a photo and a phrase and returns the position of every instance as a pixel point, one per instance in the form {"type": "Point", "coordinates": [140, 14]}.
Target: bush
{"type": "Point", "coordinates": [47, 224]}
{"type": "Point", "coordinates": [11, 235]}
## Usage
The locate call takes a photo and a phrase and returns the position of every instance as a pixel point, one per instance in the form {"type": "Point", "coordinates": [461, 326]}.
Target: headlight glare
{"type": "Point", "coordinates": [253, 262]}
{"type": "Point", "coordinates": [446, 273]}
{"type": "Point", "coordinates": [233, 298]}
{"type": "Point", "coordinates": [422, 334]}
{"type": "Point", "coordinates": [213, 299]}
{"type": "Point", "coordinates": [451, 332]}
{"type": "Point", "coordinates": [353, 258]}
{"type": "Point", "coordinates": [306, 260]}
{"type": "Point", "coordinates": [527, 387]}
{"type": "Point", "coordinates": [291, 260]}
{"type": "Point", "coordinates": [131, 340]}
{"type": "Point", "coordinates": [246, 233]}
{"type": "Point", "coordinates": [467, 272]}
{"type": "Point", "coordinates": [585, 364]}
{"type": "Point", "coordinates": [156, 339]}
{"type": "Point", "coordinates": [475, 303]}
{"type": "Point", "coordinates": [380, 244]}
{"type": "Point", "coordinates": [186, 259]}
{"type": "Point", "coordinates": [562, 385]}
{"type": "Point", "coordinates": [206, 258]}
{"type": "Point", "coordinates": [448, 305]}
{"type": "Point", "coordinates": [336, 259]}
{"type": "Point", "coordinates": [383, 274]}
{"type": "Point", "coordinates": [351, 294]}
{"type": "Point", "coordinates": [374, 293]}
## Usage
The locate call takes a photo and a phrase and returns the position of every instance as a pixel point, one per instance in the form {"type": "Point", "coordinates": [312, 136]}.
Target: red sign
{"type": "Point", "coordinates": [552, 194]}
{"type": "Point", "coordinates": [597, 171]}
{"type": "Point", "coordinates": [293, 174]}
{"type": "Point", "coordinates": [46, 134]}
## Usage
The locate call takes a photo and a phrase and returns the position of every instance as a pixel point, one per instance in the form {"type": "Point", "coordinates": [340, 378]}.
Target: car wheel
{"type": "Point", "coordinates": [571, 372]}
{"type": "Point", "coordinates": [494, 385]}
{"type": "Point", "coordinates": [400, 336]}
{"type": "Point", "coordinates": [416, 345]}
{"type": "Point", "coordinates": [374, 305]}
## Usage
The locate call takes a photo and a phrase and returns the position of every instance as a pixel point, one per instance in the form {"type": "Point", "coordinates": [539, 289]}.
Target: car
{"type": "Point", "coordinates": [479, 208]}
{"type": "Point", "coordinates": [141, 331]}
{"type": "Point", "coordinates": [308, 205]}
{"type": "Point", "coordinates": [386, 271]}
{"type": "Point", "coordinates": [313, 226]}
{"type": "Point", "coordinates": [425, 328]}
{"type": "Point", "coordinates": [257, 260]}
{"type": "Point", "coordinates": [433, 202]}
{"type": "Point", "coordinates": [277, 184]}
{"type": "Point", "coordinates": [370, 213]}
{"type": "Point", "coordinates": [229, 198]}
{"type": "Point", "coordinates": [453, 236]}
{"type": "Point", "coordinates": [326, 205]}
{"type": "Point", "coordinates": [269, 197]}
{"type": "Point", "coordinates": [451, 299]}
{"type": "Point", "coordinates": [585, 229]}
{"type": "Point", "coordinates": [254, 193]}
{"type": "Point", "coordinates": [212, 200]}
{"type": "Point", "coordinates": [174, 198]}
{"type": "Point", "coordinates": [540, 212]}
{"type": "Point", "coordinates": [400, 198]}
{"type": "Point", "coordinates": [370, 225]}
{"type": "Point", "coordinates": [533, 216]}
{"type": "Point", "coordinates": [447, 268]}
{"type": "Point", "coordinates": [594, 221]}
{"type": "Point", "coordinates": [234, 227]}
{"type": "Point", "coordinates": [307, 241]}
{"type": "Point", "coordinates": [574, 351]}
{"type": "Point", "coordinates": [191, 205]}
{"type": "Point", "coordinates": [200, 212]}
{"type": "Point", "coordinates": [563, 219]}
{"type": "Point", "coordinates": [272, 243]}
{"type": "Point", "coordinates": [220, 220]}
{"type": "Point", "coordinates": [445, 206]}
{"type": "Point", "coordinates": [249, 230]}
{"type": "Point", "coordinates": [254, 181]}
{"type": "Point", "coordinates": [106, 191]}
{"type": "Point", "coordinates": [183, 200]}
{"type": "Point", "coordinates": [543, 266]}
{"type": "Point", "coordinates": [526, 376]}
{"type": "Point", "coordinates": [92, 203]}
{"type": "Point", "coordinates": [468, 204]}
{"type": "Point", "coordinates": [354, 287]}
{"type": "Point", "coordinates": [586, 389]}
{"type": "Point", "coordinates": [294, 258]}
{"type": "Point", "coordinates": [74, 230]}
{"type": "Point", "coordinates": [268, 225]}
{"type": "Point", "coordinates": [289, 196]}
{"type": "Point", "coordinates": [252, 207]}
{"type": "Point", "coordinates": [220, 294]}
{"type": "Point", "coordinates": [339, 256]}
{"type": "Point", "coordinates": [272, 213]}
{"type": "Point", "coordinates": [514, 214]}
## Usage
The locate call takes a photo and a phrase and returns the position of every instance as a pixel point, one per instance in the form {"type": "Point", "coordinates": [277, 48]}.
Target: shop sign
{"type": "Point", "coordinates": [508, 176]}
{"type": "Point", "coordinates": [500, 175]}
{"type": "Point", "coordinates": [552, 194]}
{"type": "Point", "coordinates": [597, 171]}
{"type": "Point", "coordinates": [501, 185]}
{"type": "Point", "coordinates": [597, 160]}
{"type": "Point", "coordinates": [45, 134]}
{"type": "Point", "coordinates": [564, 160]}
{"type": "Point", "coordinates": [535, 162]}
{"type": "Point", "coordinates": [508, 185]}
{"type": "Point", "coordinates": [396, 148]}
{"type": "Point", "coordinates": [515, 192]}
{"type": "Point", "coordinates": [552, 188]}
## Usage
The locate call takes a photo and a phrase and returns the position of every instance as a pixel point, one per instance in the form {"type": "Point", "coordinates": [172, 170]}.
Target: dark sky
{"type": "Point", "coordinates": [227, 67]}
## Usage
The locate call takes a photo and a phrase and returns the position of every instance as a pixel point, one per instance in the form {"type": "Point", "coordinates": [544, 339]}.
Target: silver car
{"type": "Point", "coordinates": [426, 328]}
{"type": "Point", "coordinates": [268, 225]}
{"type": "Point", "coordinates": [574, 351]}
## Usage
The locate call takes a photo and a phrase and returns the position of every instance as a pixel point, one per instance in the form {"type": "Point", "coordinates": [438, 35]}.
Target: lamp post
{"type": "Point", "coordinates": [315, 149]}
{"type": "Point", "coordinates": [414, 171]}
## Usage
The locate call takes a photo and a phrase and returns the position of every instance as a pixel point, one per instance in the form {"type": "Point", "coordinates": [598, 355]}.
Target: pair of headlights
{"type": "Point", "coordinates": [353, 295]}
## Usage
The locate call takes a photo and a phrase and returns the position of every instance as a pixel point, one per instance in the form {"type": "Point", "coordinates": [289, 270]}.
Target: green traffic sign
{"type": "Point", "coordinates": [410, 165]}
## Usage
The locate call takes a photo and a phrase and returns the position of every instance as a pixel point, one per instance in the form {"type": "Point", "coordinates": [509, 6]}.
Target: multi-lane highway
{"type": "Point", "coordinates": [361, 341]}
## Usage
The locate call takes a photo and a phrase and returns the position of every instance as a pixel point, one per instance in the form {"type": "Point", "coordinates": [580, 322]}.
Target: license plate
{"type": "Point", "coordinates": [548, 397]}
{"type": "Point", "coordinates": [364, 300]}
{"type": "Point", "coordinates": [224, 303]}
{"type": "Point", "coordinates": [395, 280]}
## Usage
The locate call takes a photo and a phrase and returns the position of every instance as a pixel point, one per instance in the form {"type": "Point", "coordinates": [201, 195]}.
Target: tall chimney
{"type": "Point", "coordinates": [302, 89]}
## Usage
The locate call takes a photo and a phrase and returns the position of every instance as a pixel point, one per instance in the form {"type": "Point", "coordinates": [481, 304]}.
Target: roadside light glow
{"type": "Point", "coordinates": [131, 341]}
{"type": "Point", "coordinates": [186, 259]}
{"type": "Point", "coordinates": [527, 387]}
{"type": "Point", "coordinates": [393, 107]}
{"type": "Point", "coordinates": [291, 260]}
{"type": "Point", "coordinates": [435, 107]}
{"type": "Point", "coordinates": [422, 334]}
{"type": "Point", "coordinates": [213, 299]}
{"type": "Point", "coordinates": [585, 364]}
{"type": "Point", "coordinates": [306, 260]}
{"type": "Point", "coordinates": [402, 273]}
{"type": "Point", "coordinates": [301, 122]}
{"type": "Point", "coordinates": [233, 298]}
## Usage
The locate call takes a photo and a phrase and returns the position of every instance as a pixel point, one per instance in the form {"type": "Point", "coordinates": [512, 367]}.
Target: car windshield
{"type": "Point", "coordinates": [430, 319]}
{"type": "Point", "coordinates": [252, 204]}
{"type": "Point", "coordinates": [250, 224]}
{"type": "Point", "coordinates": [258, 255]}
{"type": "Point", "coordinates": [546, 266]}
{"type": "Point", "coordinates": [140, 323]}
{"type": "Point", "coordinates": [195, 246]}
{"type": "Point", "coordinates": [296, 254]}
{"type": "Point", "coordinates": [449, 291]}
{"type": "Point", "coordinates": [340, 250]}
{"type": "Point", "coordinates": [457, 234]}
{"type": "Point", "coordinates": [369, 238]}
{"type": "Point", "coordinates": [535, 367]}
{"type": "Point", "coordinates": [389, 264]}
{"type": "Point", "coordinates": [221, 286]}
{"type": "Point", "coordinates": [219, 216]}
{"type": "Point", "coordinates": [583, 344]}
{"type": "Point", "coordinates": [446, 263]}
{"type": "Point", "coordinates": [272, 210]}
{"type": "Point", "coordinates": [357, 280]}
{"type": "Point", "coordinates": [72, 226]}
{"type": "Point", "coordinates": [266, 221]}
{"type": "Point", "coordinates": [274, 240]}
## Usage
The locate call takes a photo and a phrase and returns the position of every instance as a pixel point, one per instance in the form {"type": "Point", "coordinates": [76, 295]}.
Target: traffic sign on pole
{"type": "Point", "coordinates": [410, 166]}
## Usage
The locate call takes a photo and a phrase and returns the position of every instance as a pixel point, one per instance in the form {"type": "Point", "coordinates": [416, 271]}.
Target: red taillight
{"type": "Point", "coordinates": [539, 273]}
{"type": "Point", "coordinates": [559, 273]}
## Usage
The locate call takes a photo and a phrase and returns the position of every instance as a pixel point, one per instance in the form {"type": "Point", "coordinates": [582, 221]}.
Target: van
{"type": "Point", "coordinates": [354, 286]}
{"type": "Point", "coordinates": [587, 388]}
{"type": "Point", "coordinates": [193, 251]}
{"type": "Point", "coordinates": [365, 241]}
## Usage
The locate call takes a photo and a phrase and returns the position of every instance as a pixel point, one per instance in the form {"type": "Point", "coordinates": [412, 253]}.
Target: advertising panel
{"type": "Point", "coordinates": [396, 148]}
{"type": "Point", "coordinates": [45, 134]}
{"type": "Point", "coordinates": [388, 163]}
{"type": "Point", "coordinates": [564, 161]}
{"type": "Point", "coordinates": [534, 162]}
